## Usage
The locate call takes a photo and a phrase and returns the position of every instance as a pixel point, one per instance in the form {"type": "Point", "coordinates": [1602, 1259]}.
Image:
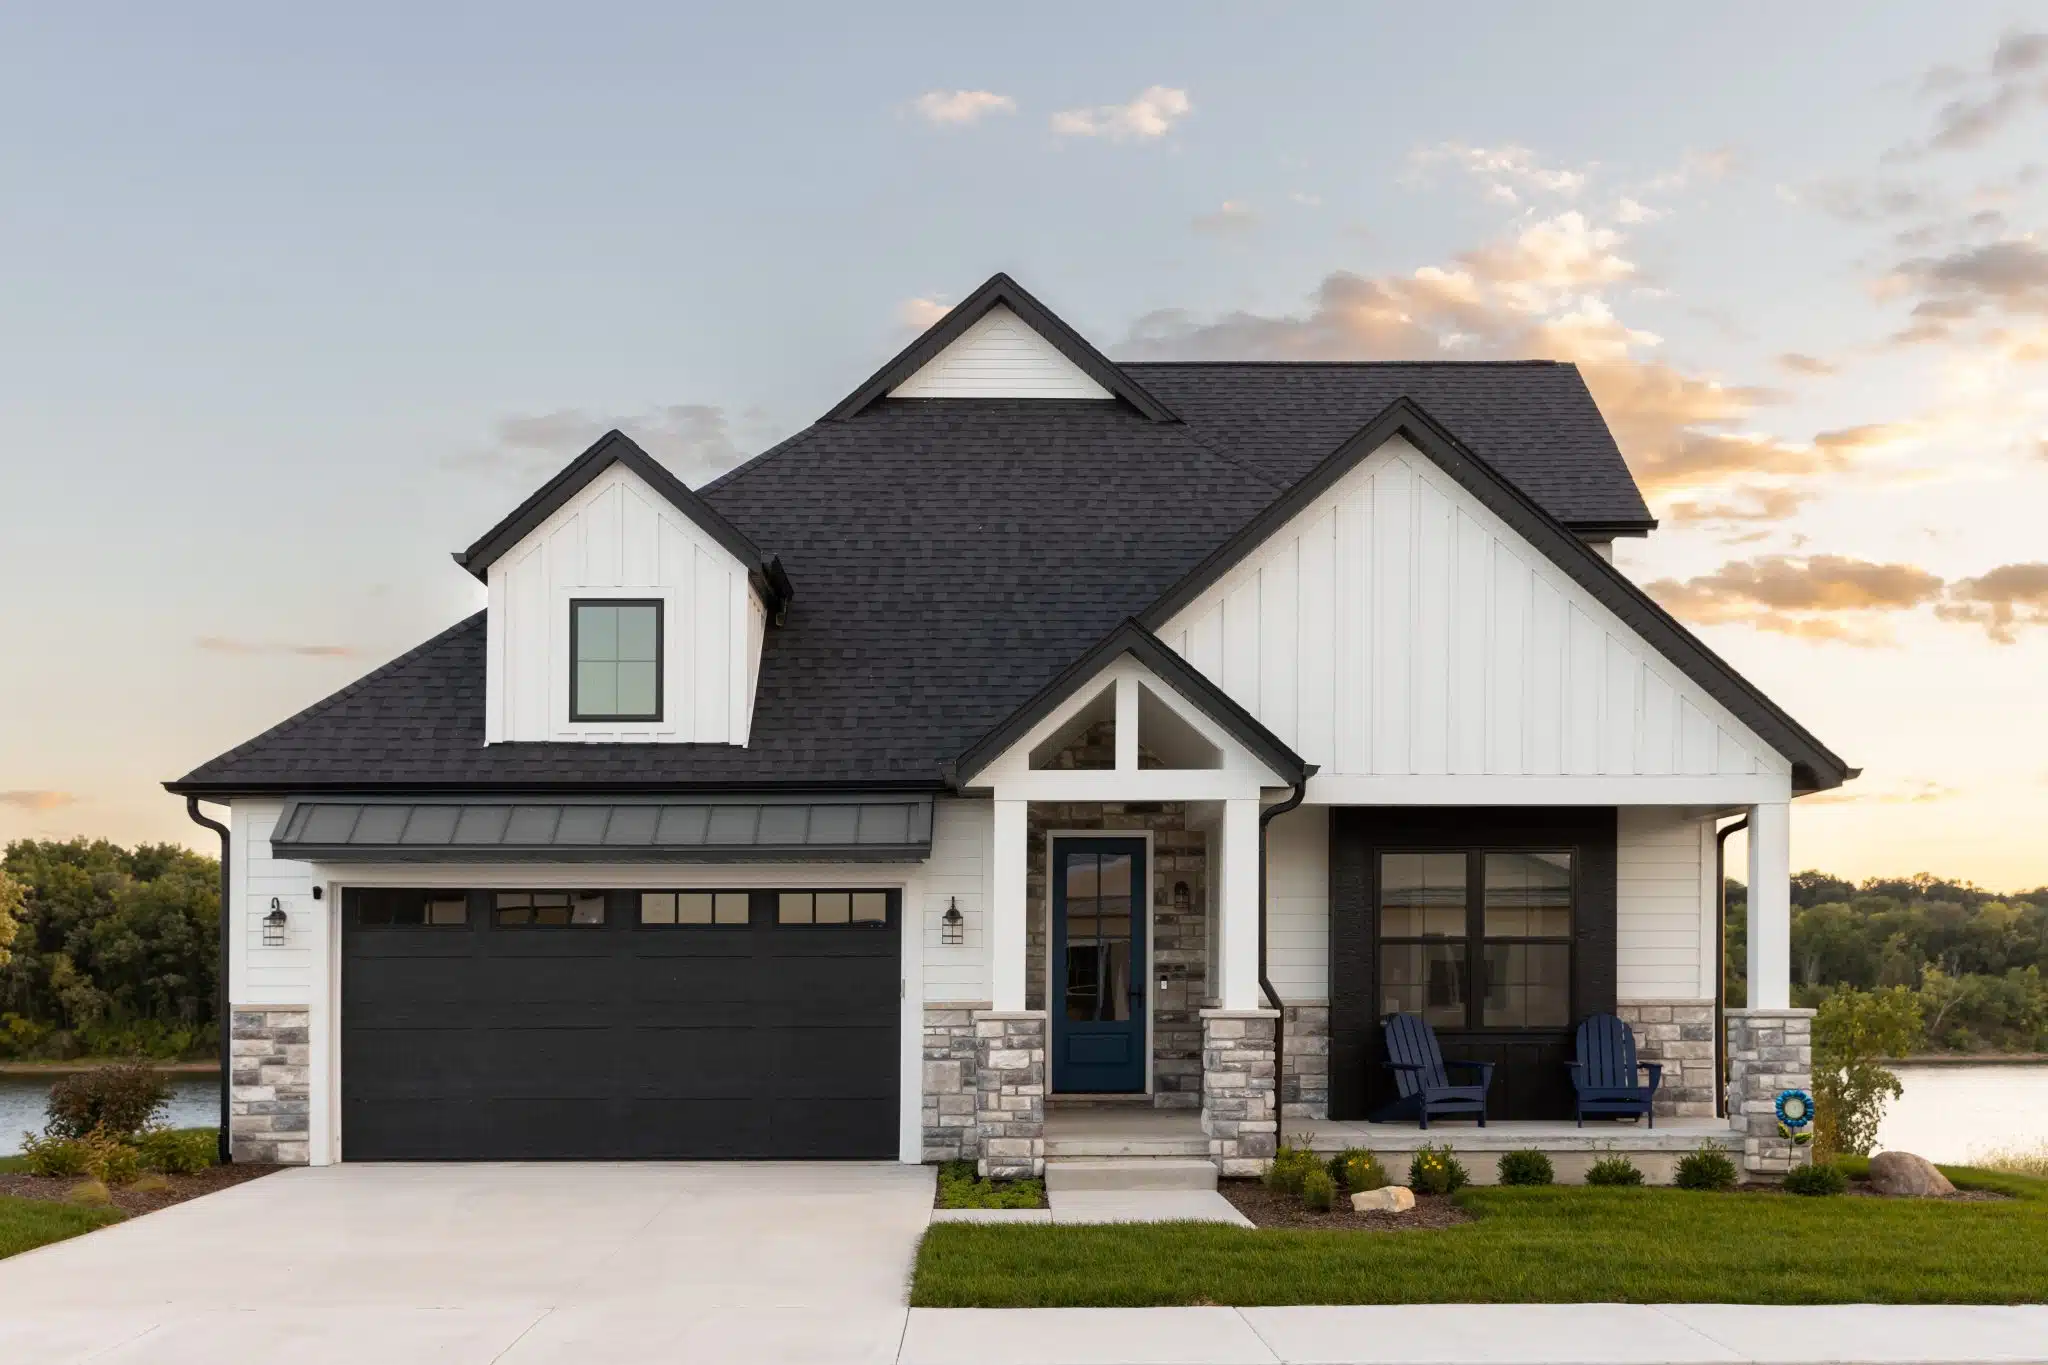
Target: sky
{"type": "Point", "coordinates": [295, 302]}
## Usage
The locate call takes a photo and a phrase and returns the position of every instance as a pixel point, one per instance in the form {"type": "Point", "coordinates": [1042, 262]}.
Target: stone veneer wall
{"type": "Point", "coordinates": [1768, 1051]}
{"type": "Point", "coordinates": [950, 1066]}
{"type": "Point", "coordinates": [1305, 1062]}
{"type": "Point", "coordinates": [1009, 1093]}
{"type": "Point", "coordinates": [1680, 1034]}
{"type": "Point", "coordinates": [1179, 945]}
{"type": "Point", "coordinates": [1238, 1112]}
{"type": "Point", "coordinates": [269, 1099]}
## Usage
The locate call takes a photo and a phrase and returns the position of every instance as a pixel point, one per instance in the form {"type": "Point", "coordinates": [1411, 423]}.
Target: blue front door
{"type": "Point", "coordinates": [1098, 965]}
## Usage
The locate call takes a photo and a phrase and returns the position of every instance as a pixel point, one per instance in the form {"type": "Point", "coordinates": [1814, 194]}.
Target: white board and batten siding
{"type": "Point", "coordinates": [619, 538]}
{"type": "Point", "coordinates": [1666, 904]}
{"type": "Point", "coordinates": [959, 872]}
{"type": "Point", "coordinates": [999, 356]}
{"type": "Point", "coordinates": [1397, 628]}
{"type": "Point", "coordinates": [258, 975]}
{"type": "Point", "coordinates": [1298, 905]}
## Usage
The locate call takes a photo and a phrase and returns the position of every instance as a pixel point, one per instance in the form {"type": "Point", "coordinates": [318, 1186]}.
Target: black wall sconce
{"type": "Point", "coordinates": [273, 925]}
{"type": "Point", "coordinates": [1183, 898]}
{"type": "Point", "coordinates": [952, 924]}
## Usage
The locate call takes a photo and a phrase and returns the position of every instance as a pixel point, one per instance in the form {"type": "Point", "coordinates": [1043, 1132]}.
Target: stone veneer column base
{"type": "Point", "coordinates": [269, 1101]}
{"type": "Point", "coordinates": [1009, 1093]}
{"type": "Point", "coordinates": [949, 1070]}
{"type": "Point", "coordinates": [1768, 1051]}
{"type": "Point", "coordinates": [1680, 1034]}
{"type": "Point", "coordinates": [1238, 1089]}
{"type": "Point", "coordinates": [1305, 1062]}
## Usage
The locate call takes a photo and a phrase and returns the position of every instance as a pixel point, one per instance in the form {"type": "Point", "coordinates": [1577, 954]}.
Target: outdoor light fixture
{"type": "Point", "coordinates": [273, 925]}
{"type": "Point", "coordinates": [952, 925]}
{"type": "Point", "coordinates": [1182, 897]}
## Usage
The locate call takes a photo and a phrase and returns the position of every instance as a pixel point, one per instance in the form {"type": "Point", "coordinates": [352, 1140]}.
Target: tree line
{"type": "Point", "coordinates": [1972, 960]}
{"type": "Point", "coordinates": [107, 951]}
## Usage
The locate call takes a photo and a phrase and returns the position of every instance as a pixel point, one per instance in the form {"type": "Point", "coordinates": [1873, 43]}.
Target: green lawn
{"type": "Point", "coordinates": [29, 1223]}
{"type": "Point", "coordinates": [1549, 1245]}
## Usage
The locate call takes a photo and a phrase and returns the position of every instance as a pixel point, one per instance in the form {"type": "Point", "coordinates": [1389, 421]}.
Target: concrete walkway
{"type": "Point", "coordinates": [763, 1264]}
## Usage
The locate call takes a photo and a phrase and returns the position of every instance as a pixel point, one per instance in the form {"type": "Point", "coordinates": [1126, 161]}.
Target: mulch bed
{"type": "Point", "coordinates": [131, 1201]}
{"type": "Point", "coordinates": [1272, 1209]}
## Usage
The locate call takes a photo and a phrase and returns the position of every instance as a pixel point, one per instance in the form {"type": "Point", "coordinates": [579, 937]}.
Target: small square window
{"type": "Point", "coordinates": [834, 907]}
{"type": "Point", "coordinates": [448, 908]}
{"type": "Point", "coordinates": [870, 907]}
{"type": "Point", "coordinates": [794, 907]}
{"type": "Point", "coordinates": [615, 660]}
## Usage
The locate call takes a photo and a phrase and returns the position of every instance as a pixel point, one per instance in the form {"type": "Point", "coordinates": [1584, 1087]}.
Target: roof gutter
{"type": "Point", "coordinates": [1266, 818]}
{"type": "Point", "coordinates": [222, 1152]}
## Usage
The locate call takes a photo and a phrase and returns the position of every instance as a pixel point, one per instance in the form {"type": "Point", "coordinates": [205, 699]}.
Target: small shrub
{"type": "Point", "coordinates": [2016, 1161]}
{"type": "Point", "coordinates": [187, 1151]}
{"type": "Point", "coordinates": [1357, 1171]}
{"type": "Point", "coordinates": [961, 1188]}
{"type": "Point", "coordinates": [89, 1192]}
{"type": "Point", "coordinates": [109, 1159]}
{"type": "Point", "coordinates": [149, 1182]}
{"type": "Point", "coordinates": [121, 1099]}
{"type": "Point", "coordinates": [1290, 1167]}
{"type": "Point", "coordinates": [54, 1156]}
{"type": "Point", "coordinates": [1820, 1178]}
{"type": "Point", "coordinates": [1707, 1169]}
{"type": "Point", "coordinates": [1525, 1168]}
{"type": "Point", "coordinates": [1318, 1191]}
{"type": "Point", "coordinates": [1614, 1170]}
{"type": "Point", "coordinates": [1435, 1171]}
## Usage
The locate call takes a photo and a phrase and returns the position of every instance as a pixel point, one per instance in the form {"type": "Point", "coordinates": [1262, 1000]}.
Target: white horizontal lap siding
{"type": "Point", "coordinates": [957, 873]}
{"type": "Point", "coordinates": [618, 538]}
{"type": "Point", "coordinates": [999, 357]}
{"type": "Point", "coordinates": [1665, 905]}
{"type": "Point", "coordinates": [1298, 905]}
{"type": "Point", "coordinates": [258, 975]}
{"type": "Point", "coordinates": [1396, 627]}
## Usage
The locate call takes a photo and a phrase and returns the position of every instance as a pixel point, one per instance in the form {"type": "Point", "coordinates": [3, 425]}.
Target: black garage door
{"type": "Point", "coordinates": [503, 1025]}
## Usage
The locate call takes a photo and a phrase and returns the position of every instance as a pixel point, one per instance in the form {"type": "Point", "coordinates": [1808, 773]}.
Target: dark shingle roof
{"type": "Point", "coordinates": [949, 558]}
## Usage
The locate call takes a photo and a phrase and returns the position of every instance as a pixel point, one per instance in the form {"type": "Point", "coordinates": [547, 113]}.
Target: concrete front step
{"type": "Point", "coordinates": [1109, 1146]}
{"type": "Point", "coordinates": [1129, 1173]}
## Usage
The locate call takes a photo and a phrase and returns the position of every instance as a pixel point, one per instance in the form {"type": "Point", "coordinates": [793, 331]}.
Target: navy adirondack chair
{"type": "Point", "coordinates": [1419, 1068]}
{"type": "Point", "coordinates": [1605, 1075]}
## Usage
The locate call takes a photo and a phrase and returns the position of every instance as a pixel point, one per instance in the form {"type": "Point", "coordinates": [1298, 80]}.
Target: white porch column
{"type": "Point", "coordinates": [1006, 911]}
{"type": "Point", "coordinates": [1238, 906]}
{"type": "Point", "coordinates": [1770, 906]}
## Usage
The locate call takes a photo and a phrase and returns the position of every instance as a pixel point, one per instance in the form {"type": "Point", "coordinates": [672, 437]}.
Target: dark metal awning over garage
{"type": "Point", "coordinates": [881, 828]}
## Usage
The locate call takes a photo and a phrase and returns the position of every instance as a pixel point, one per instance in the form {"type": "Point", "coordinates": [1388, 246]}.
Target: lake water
{"type": "Point", "coordinates": [1948, 1113]}
{"type": "Point", "coordinates": [195, 1103]}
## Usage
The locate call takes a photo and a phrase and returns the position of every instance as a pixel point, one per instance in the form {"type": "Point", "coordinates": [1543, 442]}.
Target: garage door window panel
{"type": "Point", "coordinates": [825, 908]}
{"type": "Point", "coordinates": [694, 909]}
{"type": "Point", "coordinates": [381, 907]}
{"type": "Point", "coordinates": [548, 909]}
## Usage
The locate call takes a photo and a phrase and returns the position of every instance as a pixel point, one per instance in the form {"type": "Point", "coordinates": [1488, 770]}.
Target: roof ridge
{"type": "Point", "coordinates": [305, 713]}
{"type": "Point", "coordinates": [1345, 364]}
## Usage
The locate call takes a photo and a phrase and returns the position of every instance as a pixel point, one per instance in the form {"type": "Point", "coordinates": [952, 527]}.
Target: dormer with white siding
{"type": "Point", "coordinates": [622, 609]}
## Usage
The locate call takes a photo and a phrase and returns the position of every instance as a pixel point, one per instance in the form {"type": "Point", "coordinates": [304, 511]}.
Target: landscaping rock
{"type": "Point", "coordinates": [1904, 1173]}
{"type": "Point", "coordinates": [1386, 1199]}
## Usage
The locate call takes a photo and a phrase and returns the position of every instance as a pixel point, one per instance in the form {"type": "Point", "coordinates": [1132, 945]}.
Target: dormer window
{"type": "Point", "coordinates": [614, 659]}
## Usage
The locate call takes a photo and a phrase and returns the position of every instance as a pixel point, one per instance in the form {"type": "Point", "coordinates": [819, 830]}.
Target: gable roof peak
{"type": "Point", "coordinates": [999, 290]}
{"type": "Point", "coordinates": [615, 447]}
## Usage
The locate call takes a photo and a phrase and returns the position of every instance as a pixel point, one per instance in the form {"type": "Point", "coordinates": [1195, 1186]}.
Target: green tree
{"type": "Point", "coordinates": [11, 897]}
{"type": "Point", "coordinates": [1853, 1032]}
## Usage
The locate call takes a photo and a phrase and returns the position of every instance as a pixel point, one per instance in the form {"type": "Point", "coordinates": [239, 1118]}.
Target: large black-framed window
{"type": "Point", "coordinates": [615, 659]}
{"type": "Point", "coordinates": [1477, 939]}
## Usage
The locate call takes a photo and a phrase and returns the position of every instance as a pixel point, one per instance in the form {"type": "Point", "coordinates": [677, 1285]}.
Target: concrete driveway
{"type": "Point", "coordinates": [587, 1263]}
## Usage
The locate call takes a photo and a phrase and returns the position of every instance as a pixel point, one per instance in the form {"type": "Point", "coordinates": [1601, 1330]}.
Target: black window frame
{"type": "Point", "coordinates": [352, 909]}
{"type": "Point", "coordinates": [753, 895]}
{"type": "Point", "coordinates": [577, 715]}
{"type": "Point", "coordinates": [1475, 940]}
{"type": "Point", "coordinates": [494, 924]}
{"type": "Point", "coordinates": [890, 908]}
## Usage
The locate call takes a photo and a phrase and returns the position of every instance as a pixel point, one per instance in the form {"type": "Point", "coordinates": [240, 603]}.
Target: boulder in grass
{"type": "Point", "coordinates": [1905, 1174]}
{"type": "Point", "coordinates": [1386, 1199]}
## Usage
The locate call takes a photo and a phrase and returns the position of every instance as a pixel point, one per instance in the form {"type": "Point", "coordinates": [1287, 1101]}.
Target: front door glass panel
{"type": "Point", "coordinates": [1098, 936]}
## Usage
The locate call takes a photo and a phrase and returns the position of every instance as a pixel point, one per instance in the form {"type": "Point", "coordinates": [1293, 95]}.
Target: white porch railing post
{"type": "Point", "coordinates": [1770, 906]}
{"type": "Point", "coordinates": [1006, 913]}
{"type": "Point", "coordinates": [1238, 917]}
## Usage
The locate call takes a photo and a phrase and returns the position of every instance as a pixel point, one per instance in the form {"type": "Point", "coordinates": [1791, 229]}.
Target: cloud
{"type": "Point", "coordinates": [1798, 362]}
{"type": "Point", "coordinates": [1988, 100]}
{"type": "Point", "coordinates": [2007, 277]}
{"type": "Point", "coordinates": [1313, 201]}
{"type": "Point", "coordinates": [1151, 115]}
{"type": "Point", "coordinates": [958, 107]}
{"type": "Point", "coordinates": [1538, 292]}
{"type": "Point", "coordinates": [1742, 504]}
{"type": "Point", "coordinates": [2008, 597]}
{"type": "Point", "coordinates": [1504, 168]}
{"type": "Point", "coordinates": [222, 644]}
{"type": "Point", "coordinates": [31, 799]}
{"type": "Point", "coordinates": [1855, 202]}
{"type": "Point", "coordinates": [921, 313]}
{"type": "Point", "coordinates": [1911, 792]}
{"type": "Point", "coordinates": [1693, 168]}
{"type": "Point", "coordinates": [694, 440]}
{"type": "Point", "coordinates": [1870, 436]}
{"type": "Point", "coordinates": [1627, 210]}
{"type": "Point", "coordinates": [1234, 216]}
{"type": "Point", "coordinates": [1801, 597]}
